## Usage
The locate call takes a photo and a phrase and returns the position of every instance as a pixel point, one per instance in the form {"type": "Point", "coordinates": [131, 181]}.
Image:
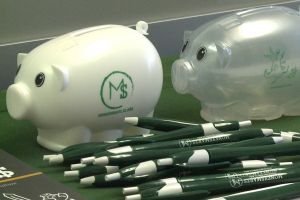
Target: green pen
{"type": "Point", "coordinates": [187, 132]}
{"type": "Point", "coordinates": [75, 152]}
{"type": "Point", "coordinates": [72, 156]}
{"type": "Point", "coordinates": [253, 142]}
{"type": "Point", "coordinates": [125, 139]}
{"type": "Point", "coordinates": [75, 155]}
{"type": "Point", "coordinates": [205, 156]}
{"type": "Point", "coordinates": [105, 180]}
{"type": "Point", "coordinates": [132, 174]}
{"type": "Point", "coordinates": [138, 156]}
{"type": "Point", "coordinates": [231, 136]}
{"type": "Point", "coordinates": [171, 125]}
{"type": "Point", "coordinates": [125, 177]}
{"type": "Point", "coordinates": [133, 157]}
{"type": "Point", "coordinates": [230, 181]}
{"type": "Point", "coordinates": [153, 167]}
{"type": "Point", "coordinates": [157, 123]}
{"type": "Point", "coordinates": [91, 170]}
{"type": "Point", "coordinates": [282, 191]}
{"type": "Point", "coordinates": [116, 179]}
{"type": "Point", "coordinates": [81, 145]}
{"type": "Point", "coordinates": [241, 165]}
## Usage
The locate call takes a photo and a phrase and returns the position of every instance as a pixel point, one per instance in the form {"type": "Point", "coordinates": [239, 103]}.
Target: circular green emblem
{"type": "Point", "coordinates": [116, 89]}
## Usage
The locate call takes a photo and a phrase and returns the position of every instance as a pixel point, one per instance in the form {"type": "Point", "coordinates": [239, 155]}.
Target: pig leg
{"type": "Point", "coordinates": [291, 108]}
{"type": "Point", "coordinates": [57, 140]}
{"type": "Point", "coordinates": [129, 130]}
{"type": "Point", "coordinates": [126, 130]}
{"type": "Point", "coordinates": [266, 112]}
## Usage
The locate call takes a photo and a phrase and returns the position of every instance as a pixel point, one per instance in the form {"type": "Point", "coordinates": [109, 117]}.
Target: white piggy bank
{"type": "Point", "coordinates": [79, 87]}
{"type": "Point", "coordinates": [244, 65]}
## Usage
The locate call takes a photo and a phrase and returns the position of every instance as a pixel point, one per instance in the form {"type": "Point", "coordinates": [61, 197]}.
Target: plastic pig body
{"type": "Point", "coordinates": [245, 65]}
{"type": "Point", "coordinates": [80, 86]}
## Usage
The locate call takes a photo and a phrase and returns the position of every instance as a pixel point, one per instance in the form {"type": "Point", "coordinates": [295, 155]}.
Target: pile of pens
{"type": "Point", "coordinates": [178, 160]}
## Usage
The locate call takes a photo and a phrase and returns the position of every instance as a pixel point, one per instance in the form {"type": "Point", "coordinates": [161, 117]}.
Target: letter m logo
{"type": "Point", "coordinates": [121, 89]}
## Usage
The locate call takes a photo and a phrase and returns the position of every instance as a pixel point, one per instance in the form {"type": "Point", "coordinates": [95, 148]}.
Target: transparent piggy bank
{"type": "Point", "coordinates": [244, 65]}
{"type": "Point", "coordinates": [79, 86]}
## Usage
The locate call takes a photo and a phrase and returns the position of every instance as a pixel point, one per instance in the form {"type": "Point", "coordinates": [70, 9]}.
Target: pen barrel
{"type": "Point", "coordinates": [82, 145]}
{"type": "Point", "coordinates": [232, 136]}
{"type": "Point", "coordinates": [187, 132]}
{"type": "Point", "coordinates": [220, 154]}
{"type": "Point", "coordinates": [246, 180]}
{"type": "Point", "coordinates": [139, 156]}
{"type": "Point", "coordinates": [135, 180]}
{"type": "Point", "coordinates": [132, 179]}
{"type": "Point", "coordinates": [192, 131]}
{"type": "Point", "coordinates": [162, 124]}
{"type": "Point", "coordinates": [74, 156]}
{"type": "Point", "coordinates": [134, 170]}
{"type": "Point", "coordinates": [196, 131]}
{"type": "Point", "coordinates": [157, 183]}
{"type": "Point", "coordinates": [186, 144]}
{"type": "Point", "coordinates": [251, 142]}
{"type": "Point", "coordinates": [217, 170]}
{"type": "Point", "coordinates": [132, 140]}
{"type": "Point", "coordinates": [246, 134]}
{"type": "Point", "coordinates": [213, 155]}
{"type": "Point", "coordinates": [171, 125]}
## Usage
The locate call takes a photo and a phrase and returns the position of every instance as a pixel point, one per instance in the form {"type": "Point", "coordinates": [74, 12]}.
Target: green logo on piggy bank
{"type": "Point", "coordinates": [116, 89]}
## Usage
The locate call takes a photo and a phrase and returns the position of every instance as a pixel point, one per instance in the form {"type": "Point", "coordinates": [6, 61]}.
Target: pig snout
{"type": "Point", "coordinates": [182, 71]}
{"type": "Point", "coordinates": [18, 101]}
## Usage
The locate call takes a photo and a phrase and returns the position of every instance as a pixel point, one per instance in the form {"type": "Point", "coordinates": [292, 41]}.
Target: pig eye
{"type": "Point", "coordinates": [201, 53]}
{"type": "Point", "coordinates": [19, 67]}
{"type": "Point", "coordinates": [184, 46]}
{"type": "Point", "coordinates": [39, 79]}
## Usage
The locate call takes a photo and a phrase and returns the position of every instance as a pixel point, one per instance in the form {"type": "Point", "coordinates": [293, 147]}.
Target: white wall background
{"type": "Point", "coordinates": [22, 20]}
{"type": "Point", "coordinates": [24, 23]}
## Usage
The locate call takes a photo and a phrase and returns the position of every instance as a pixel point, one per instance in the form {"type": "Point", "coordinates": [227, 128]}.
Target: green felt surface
{"type": "Point", "coordinates": [19, 137]}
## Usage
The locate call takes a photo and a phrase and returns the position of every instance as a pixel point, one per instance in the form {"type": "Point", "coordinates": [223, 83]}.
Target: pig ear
{"type": "Point", "coordinates": [62, 75]}
{"type": "Point", "coordinates": [224, 55]}
{"type": "Point", "coordinates": [20, 58]}
{"type": "Point", "coordinates": [186, 35]}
